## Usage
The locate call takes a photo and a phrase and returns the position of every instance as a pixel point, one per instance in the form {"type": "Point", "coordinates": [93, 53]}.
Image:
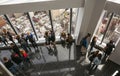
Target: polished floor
{"type": "Point", "coordinates": [64, 64]}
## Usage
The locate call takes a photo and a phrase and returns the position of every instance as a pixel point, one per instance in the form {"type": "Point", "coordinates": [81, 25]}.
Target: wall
{"type": "Point", "coordinates": [36, 6]}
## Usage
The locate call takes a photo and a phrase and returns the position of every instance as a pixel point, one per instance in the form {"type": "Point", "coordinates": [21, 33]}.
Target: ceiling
{"type": "Point", "coordinates": [9, 2]}
{"type": "Point", "coordinates": [115, 1]}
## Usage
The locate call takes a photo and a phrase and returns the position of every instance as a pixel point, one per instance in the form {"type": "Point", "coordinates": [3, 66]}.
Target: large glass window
{"type": "Point", "coordinates": [41, 22]}
{"type": "Point", "coordinates": [4, 25]}
{"type": "Point", "coordinates": [21, 23]}
{"type": "Point", "coordinates": [74, 19]}
{"type": "Point", "coordinates": [111, 31]}
{"type": "Point", "coordinates": [102, 27]}
{"type": "Point", "coordinates": [61, 20]}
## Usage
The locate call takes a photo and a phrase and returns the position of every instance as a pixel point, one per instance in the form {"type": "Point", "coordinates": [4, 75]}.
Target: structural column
{"type": "Point", "coordinates": [92, 13]}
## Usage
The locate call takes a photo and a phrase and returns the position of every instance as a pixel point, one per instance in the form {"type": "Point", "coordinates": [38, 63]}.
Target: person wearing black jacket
{"type": "Point", "coordinates": [93, 43]}
{"type": "Point", "coordinates": [9, 65]}
{"type": "Point", "coordinates": [16, 58]}
{"type": "Point", "coordinates": [3, 39]}
{"type": "Point", "coordinates": [10, 36]}
{"type": "Point", "coordinates": [22, 42]}
{"type": "Point", "coordinates": [15, 49]}
{"type": "Point", "coordinates": [109, 48]}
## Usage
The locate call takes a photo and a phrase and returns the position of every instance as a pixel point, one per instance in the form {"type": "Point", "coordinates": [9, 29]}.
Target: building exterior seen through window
{"type": "Point", "coordinates": [18, 23]}
{"type": "Point", "coordinates": [41, 22]}
{"type": "Point", "coordinates": [111, 31]}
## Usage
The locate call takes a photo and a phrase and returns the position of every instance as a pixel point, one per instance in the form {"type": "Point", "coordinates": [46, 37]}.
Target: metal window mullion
{"type": "Point", "coordinates": [32, 25]}
{"type": "Point", "coordinates": [70, 20]}
{"type": "Point", "coordinates": [50, 16]}
{"type": "Point", "coordinates": [10, 23]}
{"type": "Point", "coordinates": [108, 24]}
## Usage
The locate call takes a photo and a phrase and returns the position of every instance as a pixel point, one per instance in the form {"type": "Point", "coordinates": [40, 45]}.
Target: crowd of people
{"type": "Point", "coordinates": [95, 57]}
{"type": "Point", "coordinates": [20, 54]}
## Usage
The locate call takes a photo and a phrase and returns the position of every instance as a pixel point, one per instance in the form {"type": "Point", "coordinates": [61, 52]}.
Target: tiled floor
{"type": "Point", "coordinates": [64, 64]}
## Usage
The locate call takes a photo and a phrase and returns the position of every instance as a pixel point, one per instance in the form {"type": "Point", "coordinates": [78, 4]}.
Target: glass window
{"type": "Point", "coordinates": [41, 22]}
{"type": "Point", "coordinates": [61, 20]}
{"type": "Point", "coordinates": [74, 19]}
{"type": "Point", "coordinates": [113, 30]}
{"type": "Point", "coordinates": [102, 27]}
{"type": "Point", "coordinates": [21, 23]}
{"type": "Point", "coordinates": [4, 27]}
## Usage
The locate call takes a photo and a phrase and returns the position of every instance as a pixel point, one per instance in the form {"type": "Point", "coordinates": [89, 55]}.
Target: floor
{"type": "Point", "coordinates": [64, 64]}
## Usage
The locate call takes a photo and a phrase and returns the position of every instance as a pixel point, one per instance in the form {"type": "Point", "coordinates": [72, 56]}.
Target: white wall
{"type": "Point", "coordinates": [36, 6]}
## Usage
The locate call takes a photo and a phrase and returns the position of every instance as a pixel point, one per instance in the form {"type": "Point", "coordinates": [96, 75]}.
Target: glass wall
{"type": "Point", "coordinates": [111, 31]}
{"type": "Point", "coordinates": [4, 25]}
{"type": "Point", "coordinates": [41, 22]}
{"type": "Point", "coordinates": [21, 23]}
{"type": "Point", "coordinates": [61, 20]}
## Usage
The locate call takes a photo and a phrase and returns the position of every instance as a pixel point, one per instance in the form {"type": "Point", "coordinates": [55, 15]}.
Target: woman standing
{"type": "Point", "coordinates": [96, 61]}
{"type": "Point", "coordinates": [93, 43]}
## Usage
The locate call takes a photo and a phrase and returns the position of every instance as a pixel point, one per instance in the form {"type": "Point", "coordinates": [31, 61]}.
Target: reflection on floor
{"type": "Point", "coordinates": [64, 64]}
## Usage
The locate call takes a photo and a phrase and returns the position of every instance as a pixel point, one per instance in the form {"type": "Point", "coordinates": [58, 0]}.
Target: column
{"type": "Point", "coordinates": [92, 13]}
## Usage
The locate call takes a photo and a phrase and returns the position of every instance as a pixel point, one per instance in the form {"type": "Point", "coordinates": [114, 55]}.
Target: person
{"type": "Point", "coordinates": [84, 44]}
{"type": "Point", "coordinates": [69, 40]}
{"type": "Point", "coordinates": [93, 43]}
{"type": "Point", "coordinates": [3, 39]}
{"type": "Point", "coordinates": [93, 55]}
{"type": "Point", "coordinates": [15, 49]}
{"type": "Point", "coordinates": [109, 48]}
{"type": "Point", "coordinates": [96, 62]}
{"type": "Point", "coordinates": [25, 56]}
{"type": "Point", "coordinates": [51, 36]}
{"type": "Point", "coordinates": [10, 36]}
{"type": "Point", "coordinates": [24, 37]}
{"type": "Point", "coordinates": [52, 50]}
{"type": "Point", "coordinates": [32, 40]}
{"type": "Point", "coordinates": [63, 38]}
{"type": "Point", "coordinates": [22, 43]}
{"type": "Point", "coordinates": [46, 36]}
{"type": "Point", "coordinates": [18, 60]}
{"type": "Point", "coordinates": [9, 65]}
